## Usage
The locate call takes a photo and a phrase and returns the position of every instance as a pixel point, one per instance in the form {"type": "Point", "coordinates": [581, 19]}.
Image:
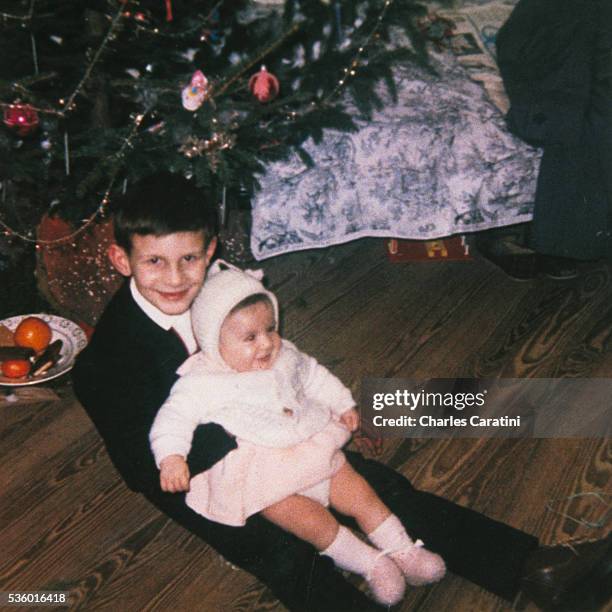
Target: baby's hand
{"type": "Point", "coordinates": [350, 419]}
{"type": "Point", "coordinates": [174, 474]}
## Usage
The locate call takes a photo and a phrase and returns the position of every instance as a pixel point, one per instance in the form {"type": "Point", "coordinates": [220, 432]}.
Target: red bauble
{"type": "Point", "coordinates": [169, 10]}
{"type": "Point", "coordinates": [21, 118]}
{"type": "Point", "coordinates": [264, 85]}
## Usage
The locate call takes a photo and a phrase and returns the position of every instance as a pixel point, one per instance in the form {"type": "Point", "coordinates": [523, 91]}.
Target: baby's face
{"type": "Point", "coordinates": [248, 339]}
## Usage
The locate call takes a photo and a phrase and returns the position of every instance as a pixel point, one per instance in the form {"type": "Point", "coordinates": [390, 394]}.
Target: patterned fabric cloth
{"type": "Point", "coordinates": [437, 163]}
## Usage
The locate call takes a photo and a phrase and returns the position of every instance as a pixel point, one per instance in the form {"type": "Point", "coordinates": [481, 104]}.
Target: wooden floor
{"type": "Point", "coordinates": [68, 523]}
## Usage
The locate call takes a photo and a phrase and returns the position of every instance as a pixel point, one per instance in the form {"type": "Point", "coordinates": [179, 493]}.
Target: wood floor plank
{"type": "Point", "coordinates": [68, 522]}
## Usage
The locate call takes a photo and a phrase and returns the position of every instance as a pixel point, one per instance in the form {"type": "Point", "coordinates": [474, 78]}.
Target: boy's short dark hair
{"type": "Point", "coordinates": [162, 204]}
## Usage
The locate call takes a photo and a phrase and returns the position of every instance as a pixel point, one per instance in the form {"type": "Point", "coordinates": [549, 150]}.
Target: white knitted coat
{"type": "Point", "coordinates": [275, 408]}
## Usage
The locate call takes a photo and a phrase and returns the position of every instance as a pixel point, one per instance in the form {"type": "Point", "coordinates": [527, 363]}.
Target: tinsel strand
{"type": "Point", "coordinates": [105, 200]}
{"type": "Point", "coordinates": [27, 17]}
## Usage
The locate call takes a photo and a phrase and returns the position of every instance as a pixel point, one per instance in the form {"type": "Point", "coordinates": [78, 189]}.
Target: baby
{"type": "Point", "coordinates": [291, 417]}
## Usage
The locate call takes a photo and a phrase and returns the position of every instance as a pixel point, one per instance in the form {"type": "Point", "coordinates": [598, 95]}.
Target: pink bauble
{"type": "Point", "coordinates": [264, 85]}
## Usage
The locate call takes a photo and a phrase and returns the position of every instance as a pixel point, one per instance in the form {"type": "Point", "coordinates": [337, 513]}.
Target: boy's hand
{"type": "Point", "coordinates": [367, 440]}
{"type": "Point", "coordinates": [368, 443]}
{"type": "Point", "coordinates": [350, 419]}
{"type": "Point", "coordinates": [174, 474]}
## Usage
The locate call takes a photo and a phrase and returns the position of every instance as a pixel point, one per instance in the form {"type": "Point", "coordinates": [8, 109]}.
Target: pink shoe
{"type": "Point", "coordinates": [386, 581]}
{"type": "Point", "coordinates": [419, 565]}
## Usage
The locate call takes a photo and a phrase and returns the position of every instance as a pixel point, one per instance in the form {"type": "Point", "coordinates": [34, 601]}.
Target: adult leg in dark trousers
{"type": "Point", "coordinates": [484, 551]}
{"type": "Point", "coordinates": [297, 575]}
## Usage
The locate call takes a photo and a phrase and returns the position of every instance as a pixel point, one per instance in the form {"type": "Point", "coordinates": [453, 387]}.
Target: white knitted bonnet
{"type": "Point", "coordinates": [225, 287]}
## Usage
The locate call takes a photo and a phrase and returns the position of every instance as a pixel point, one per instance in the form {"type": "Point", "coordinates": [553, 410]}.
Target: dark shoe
{"type": "Point", "coordinates": [518, 267]}
{"type": "Point", "coordinates": [594, 591]}
{"type": "Point", "coordinates": [554, 576]}
{"type": "Point", "coordinates": [557, 268]}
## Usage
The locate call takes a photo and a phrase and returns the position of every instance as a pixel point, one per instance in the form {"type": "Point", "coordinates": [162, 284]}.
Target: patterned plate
{"type": "Point", "coordinates": [73, 341]}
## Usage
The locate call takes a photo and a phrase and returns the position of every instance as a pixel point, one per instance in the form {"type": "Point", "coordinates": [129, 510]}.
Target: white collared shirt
{"type": "Point", "coordinates": [181, 323]}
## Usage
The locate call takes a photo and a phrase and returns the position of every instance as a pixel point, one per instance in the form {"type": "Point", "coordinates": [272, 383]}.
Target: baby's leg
{"type": "Point", "coordinates": [352, 495]}
{"type": "Point", "coordinates": [304, 518]}
{"type": "Point", "coordinates": [310, 521]}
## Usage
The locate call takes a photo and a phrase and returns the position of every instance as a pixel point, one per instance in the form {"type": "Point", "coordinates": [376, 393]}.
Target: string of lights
{"type": "Point", "coordinates": [68, 104]}
{"type": "Point", "coordinates": [139, 18]}
{"type": "Point", "coordinates": [101, 210]}
{"type": "Point", "coordinates": [27, 17]}
{"type": "Point", "coordinates": [351, 70]}
{"type": "Point", "coordinates": [220, 90]}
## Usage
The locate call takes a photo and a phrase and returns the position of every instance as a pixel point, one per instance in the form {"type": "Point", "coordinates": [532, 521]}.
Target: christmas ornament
{"type": "Point", "coordinates": [196, 147]}
{"type": "Point", "coordinates": [138, 16]}
{"type": "Point", "coordinates": [21, 118]}
{"type": "Point", "coordinates": [193, 147]}
{"type": "Point", "coordinates": [169, 10]}
{"type": "Point", "coordinates": [196, 92]}
{"type": "Point", "coordinates": [213, 37]}
{"type": "Point", "coordinates": [264, 85]}
{"type": "Point", "coordinates": [214, 33]}
{"type": "Point", "coordinates": [156, 127]}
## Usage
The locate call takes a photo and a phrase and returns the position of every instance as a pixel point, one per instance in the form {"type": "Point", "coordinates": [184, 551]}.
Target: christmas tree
{"type": "Point", "coordinates": [96, 94]}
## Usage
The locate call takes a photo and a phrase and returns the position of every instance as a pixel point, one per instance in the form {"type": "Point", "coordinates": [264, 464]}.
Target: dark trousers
{"type": "Point", "coordinates": [486, 552]}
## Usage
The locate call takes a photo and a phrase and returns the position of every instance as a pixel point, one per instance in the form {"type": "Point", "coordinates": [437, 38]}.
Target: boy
{"type": "Point", "coordinates": [165, 239]}
{"type": "Point", "coordinates": [291, 417]}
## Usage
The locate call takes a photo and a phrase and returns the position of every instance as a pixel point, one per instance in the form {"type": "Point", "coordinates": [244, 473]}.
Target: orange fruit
{"type": "Point", "coordinates": [34, 333]}
{"type": "Point", "coordinates": [16, 368]}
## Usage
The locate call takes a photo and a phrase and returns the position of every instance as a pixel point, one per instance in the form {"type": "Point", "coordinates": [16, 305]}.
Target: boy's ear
{"type": "Point", "coordinates": [210, 249]}
{"type": "Point", "coordinates": [120, 260]}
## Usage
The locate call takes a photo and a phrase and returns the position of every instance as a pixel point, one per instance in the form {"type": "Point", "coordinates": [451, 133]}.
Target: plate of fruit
{"type": "Point", "coordinates": [37, 347]}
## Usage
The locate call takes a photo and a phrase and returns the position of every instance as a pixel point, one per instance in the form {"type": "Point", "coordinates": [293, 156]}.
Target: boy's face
{"type": "Point", "coordinates": [248, 339]}
{"type": "Point", "coordinates": [168, 270]}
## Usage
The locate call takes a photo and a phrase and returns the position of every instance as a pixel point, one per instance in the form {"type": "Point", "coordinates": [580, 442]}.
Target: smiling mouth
{"type": "Point", "coordinates": [174, 295]}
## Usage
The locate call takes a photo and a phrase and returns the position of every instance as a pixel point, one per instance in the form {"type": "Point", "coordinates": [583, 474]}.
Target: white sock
{"type": "Point", "coordinates": [384, 578]}
{"type": "Point", "coordinates": [390, 534]}
{"type": "Point", "coordinates": [350, 553]}
{"type": "Point", "coordinates": [419, 565]}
